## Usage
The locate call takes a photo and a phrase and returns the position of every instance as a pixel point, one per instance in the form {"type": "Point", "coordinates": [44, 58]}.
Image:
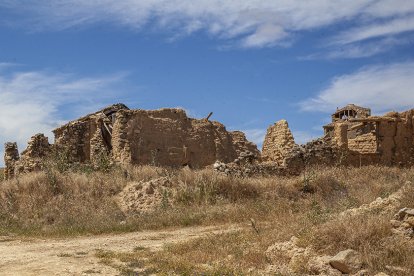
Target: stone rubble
{"type": "Point", "coordinates": [403, 223]}
{"type": "Point", "coordinates": [347, 261]}
{"type": "Point", "coordinates": [141, 197]}
{"type": "Point", "coordinates": [289, 258]}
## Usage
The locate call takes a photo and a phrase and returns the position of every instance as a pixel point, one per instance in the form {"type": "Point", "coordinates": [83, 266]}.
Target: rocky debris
{"type": "Point", "coordinates": [397, 270]}
{"type": "Point", "coordinates": [249, 169]}
{"type": "Point", "coordinates": [244, 148]}
{"type": "Point", "coordinates": [381, 205]}
{"type": "Point", "coordinates": [289, 258]}
{"type": "Point", "coordinates": [142, 197]}
{"type": "Point", "coordinates": [246, 157]}
{"type": "Point", "coordinates": [347, 261]}
{"type": "Point", "coordinates": [403, 223]}
{"type": "Point", "coordinates": [381, 274]}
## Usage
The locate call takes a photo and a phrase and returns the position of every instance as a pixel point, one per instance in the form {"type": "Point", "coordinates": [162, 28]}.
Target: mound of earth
{"type": "Point", "coordinates": [141, 197]}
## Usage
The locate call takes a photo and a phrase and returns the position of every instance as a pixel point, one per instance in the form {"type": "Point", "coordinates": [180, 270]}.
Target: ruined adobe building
{"type": "Point", "coordinates": [167, 137]}
{"type": "Point", "coordinates": [164, 137]}
{"type": "Point", "coordinates": [354, 137]}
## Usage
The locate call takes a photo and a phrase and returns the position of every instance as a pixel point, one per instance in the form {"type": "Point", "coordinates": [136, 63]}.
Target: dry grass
{"type": "Point", "coordinates": [68, 203]}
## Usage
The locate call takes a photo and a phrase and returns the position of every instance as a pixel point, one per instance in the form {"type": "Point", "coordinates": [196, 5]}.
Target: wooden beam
{"type": "Point", "coordinates": [209, 115]}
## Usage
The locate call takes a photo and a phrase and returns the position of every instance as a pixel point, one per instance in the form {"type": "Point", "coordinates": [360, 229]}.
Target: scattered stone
{"type": "Point", "coordinates": [289, 258]}
{"type": "Point", "coordinates": [142, 197]}
{"type": "Point", "coordinates": [403, 223]}
{"type": "Point", "coordinates": [347, 261]}
{"type": "Point", "coordinates": [397, 270]}
{"type": "Point", "coordinates": [381, 205]}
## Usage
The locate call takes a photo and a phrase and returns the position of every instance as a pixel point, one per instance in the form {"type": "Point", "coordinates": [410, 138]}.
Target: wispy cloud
{"type": "Point", "coordinates": [375, 30]}
{"type": "Point", "coordinates": [361, 50]}
{"type": "Point", "coordinates": [382, 87]}
{"type": "Point", "coordinates": [33, 101]}
{"type": "Point", "coordinates": [248, 23]}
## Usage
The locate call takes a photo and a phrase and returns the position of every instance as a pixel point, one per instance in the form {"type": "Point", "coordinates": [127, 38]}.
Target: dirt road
{"type": "Point", "coordinates": [76, 256]}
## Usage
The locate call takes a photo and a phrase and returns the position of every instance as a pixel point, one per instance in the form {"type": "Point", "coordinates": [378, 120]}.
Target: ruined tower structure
{"type": "Point", "coordinates": [354, 137]}
{"type": "Point", "coordinates": [278, 143]}
{"type": "Point", "coordinates": [164, 137]}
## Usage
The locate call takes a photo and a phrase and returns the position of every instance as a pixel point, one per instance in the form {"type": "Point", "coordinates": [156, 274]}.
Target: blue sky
{"type": "Point", "coordinates": [251, 62]}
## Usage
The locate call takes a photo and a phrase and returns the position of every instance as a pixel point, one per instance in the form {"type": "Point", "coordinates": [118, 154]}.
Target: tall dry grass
{"type": "Point", "coordinates": [305, 206]}
{"type": "Point", "coordinates": [80, 201]}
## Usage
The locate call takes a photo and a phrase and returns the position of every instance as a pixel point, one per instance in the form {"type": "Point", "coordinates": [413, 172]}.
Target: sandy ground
{"type": "Point", "coordinates": [76, 256]}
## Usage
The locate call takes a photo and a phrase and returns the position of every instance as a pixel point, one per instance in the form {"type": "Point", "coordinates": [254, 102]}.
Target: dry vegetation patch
{"type": "Point", "coordinates": [272, 209]}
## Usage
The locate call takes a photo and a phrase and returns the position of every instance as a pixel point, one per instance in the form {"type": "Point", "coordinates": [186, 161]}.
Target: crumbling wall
{"type": "Point", "coordinates": [121, 146]}
{"type": "Point", "coordinates": [395, 135]}
{"type": "Point", "coordinates": [386, 140]}
{"type": "Point", "coordinates": [87, 138]}
{"type": "Point", "coordinates": [11, 156]}
{"type": "Point", "coordinates": [73, 139]}
{"type": "Point", "coordinates": [278, 143]}
{"type": "Point", "coordinates": [167, 137]}
{"type": "Point", "coordinates": [363, 144]}
{"type": "Point", "coordinates": [32, 159]}
{"type": "Point", "coordinates": [244, 146]}
{"type": "Point", "coordinates": [340, 135]}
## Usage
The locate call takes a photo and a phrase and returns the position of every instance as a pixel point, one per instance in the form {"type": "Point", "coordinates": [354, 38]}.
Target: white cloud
{"type": "Point", "coordinates": [382, 87]}
{"type": "Point", "coordinates": [32, 102]}
{"type": "Point", "coordinates": [249, 23]}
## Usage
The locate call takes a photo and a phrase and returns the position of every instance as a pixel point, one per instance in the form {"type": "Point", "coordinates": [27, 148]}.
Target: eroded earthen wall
{"type": "Point", "coordinates": [32, 158]}
{"type": "Point", "coordinates": [168, 137]}
{"type": "Point", "coordinates": [278, 143]}
{"type": "Point", "coordinates": [11, 156]}
{"type": "Point", "coordinates": [384, 140]}
{"type": "Point", "coordinates": [364, 144]}
{"type": "Point", "coordinates": [73, 140]}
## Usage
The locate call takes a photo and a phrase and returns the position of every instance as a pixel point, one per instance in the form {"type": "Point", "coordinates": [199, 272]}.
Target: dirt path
{"type": "Point", "coordinates": [76, 256]}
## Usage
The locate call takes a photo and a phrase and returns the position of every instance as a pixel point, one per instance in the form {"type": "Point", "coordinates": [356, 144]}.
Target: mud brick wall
{"type": "Point", "coordinates": [167, 137]}
{"type": "Point", "coordinates": [278, 143]}
{"type": "Point", "coordinates": [73, 139]}
{"type": "Point", "coordinates": [363, 144]}
{"type": "Point", "coordinates": [242, 145]}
